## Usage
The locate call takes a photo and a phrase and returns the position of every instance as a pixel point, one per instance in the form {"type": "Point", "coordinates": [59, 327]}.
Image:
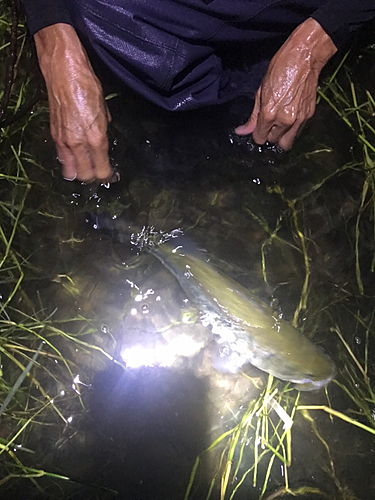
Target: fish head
{"type": "Point", "coordinates": [318, 379]}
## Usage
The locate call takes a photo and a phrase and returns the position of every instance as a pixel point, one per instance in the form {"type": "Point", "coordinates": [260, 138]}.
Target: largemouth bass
{"type": "Point", "coordinates": [244, 328]}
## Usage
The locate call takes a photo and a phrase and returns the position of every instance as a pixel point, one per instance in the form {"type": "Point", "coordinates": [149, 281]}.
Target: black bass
{"type": "Point", "coordinates": [244, 327]}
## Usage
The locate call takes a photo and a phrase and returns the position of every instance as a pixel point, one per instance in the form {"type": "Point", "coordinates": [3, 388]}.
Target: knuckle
{"type": "Point", "coordinates": [269, 114]}
{"type": "Point", "coordinates": [97, 141]}
{"type": "Point", "coordinates": [288, 121]}
{"type": "Point", "coordinates": [73, 142]}
{"type": "Point", "coordinates": [66, 139]}
{"type": "Point", "coordinates": [287, 118]}
{"type": "Point", "coordinates": [73, 139]}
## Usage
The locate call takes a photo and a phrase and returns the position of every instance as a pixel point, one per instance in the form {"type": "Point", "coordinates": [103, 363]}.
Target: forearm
{"type": "Point", "coordinates": [59, 46]}
{"type": "Point", "coordinates": [309, 41]}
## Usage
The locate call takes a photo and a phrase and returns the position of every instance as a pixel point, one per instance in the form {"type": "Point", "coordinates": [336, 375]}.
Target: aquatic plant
{"type": "Point", "coordinates": [268, 433]}
{"type": "Point", "coordinates": [31, 377]}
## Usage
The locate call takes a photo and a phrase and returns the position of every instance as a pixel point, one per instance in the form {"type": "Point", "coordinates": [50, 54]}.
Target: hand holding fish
{"type": "Point", "coordinates": [78, 113]}
{"type": "Point", "coordinates": [287, 95]}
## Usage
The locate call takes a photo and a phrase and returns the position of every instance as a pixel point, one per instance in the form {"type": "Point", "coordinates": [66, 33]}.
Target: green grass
{"type": "Point", "coordinates": [271, 442]}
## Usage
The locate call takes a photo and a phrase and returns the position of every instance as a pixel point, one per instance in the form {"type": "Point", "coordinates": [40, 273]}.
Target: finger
{"type": "Point", "coordinates": [281, 128]}
{"type": "Point", "coordinates": [249, 126]}
{"type": "Point", "coordinates": [112, 178]}
{"type": "Point", "coordinates": [273, 123]}
{"type": "Point", "coordinates": [286, 141]}
{"type": "Point", "coordinates": [277, 132]}
{"type": "Point", "coordinates": [83, 160]}
{"type": "Point", "coordinates": [99, 156]}
{"type": "Point", "coordinates": [68, 164]}
{"type": "Point", "coordinates": [262, 131]}
{"type": "Point", "coordinates": [97, 143]}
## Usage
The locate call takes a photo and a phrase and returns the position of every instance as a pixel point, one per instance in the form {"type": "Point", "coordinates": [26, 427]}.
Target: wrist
{"type": "Point", "coordinates": [310, 39]}
{"type": "Point", "coordinates": [59, 44]}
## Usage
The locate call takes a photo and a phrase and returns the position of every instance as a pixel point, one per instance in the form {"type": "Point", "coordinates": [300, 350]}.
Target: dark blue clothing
{"type": "Point", "coordinates": [179, 53]}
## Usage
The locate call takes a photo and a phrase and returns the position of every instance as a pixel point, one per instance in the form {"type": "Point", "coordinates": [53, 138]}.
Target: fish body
{"type": "Point", "coordinates": [245, 328]}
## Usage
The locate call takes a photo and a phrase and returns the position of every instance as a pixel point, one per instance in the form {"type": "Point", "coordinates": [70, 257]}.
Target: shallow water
{"type": "Point", "coordinates": [138, 430]}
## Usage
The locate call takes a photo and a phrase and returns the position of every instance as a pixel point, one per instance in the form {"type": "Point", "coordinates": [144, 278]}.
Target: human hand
{"type": "Point", "coordinates": [78, 113]}
{"type": "Point", "coordinates": [287, 95]}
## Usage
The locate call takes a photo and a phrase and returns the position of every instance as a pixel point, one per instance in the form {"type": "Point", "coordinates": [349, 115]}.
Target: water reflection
{"type": "Point", "coordinates": [149, 425]}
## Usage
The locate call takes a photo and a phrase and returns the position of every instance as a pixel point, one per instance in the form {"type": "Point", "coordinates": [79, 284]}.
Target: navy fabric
{"type": "Point", "coordinates": [183, 54]}
{"type": "Point", "coordinates": [341, 18]}
{"type": "Point", "coordinates": [169, 51]}
{"type": "Point", "coordinates": [43, 13]}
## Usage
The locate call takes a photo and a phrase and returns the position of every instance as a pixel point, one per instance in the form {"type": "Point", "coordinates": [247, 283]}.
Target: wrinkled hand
{"type": "Point", "coordinates": [78, 113]}
{"type": "Point", "coordinates": [287, 95]}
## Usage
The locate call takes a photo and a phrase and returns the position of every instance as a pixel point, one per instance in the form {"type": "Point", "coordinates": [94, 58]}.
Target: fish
{"type": "Point", "coordinates": [244, 328]}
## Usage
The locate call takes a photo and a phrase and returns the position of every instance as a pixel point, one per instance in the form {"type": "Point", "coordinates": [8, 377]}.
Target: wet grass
{"type": "Point", "coordinates": [265, 430]}
{"type": "Point", "coordinates": [28, 334]}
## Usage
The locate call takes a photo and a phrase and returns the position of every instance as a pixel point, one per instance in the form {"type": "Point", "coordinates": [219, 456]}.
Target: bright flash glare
{"type": "Point", "coordinates": [160, 354]}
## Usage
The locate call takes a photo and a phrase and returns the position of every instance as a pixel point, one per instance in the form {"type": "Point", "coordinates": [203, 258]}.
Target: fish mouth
{"type": "Point", "coordinates": [312, 385]}
{"type": "Point", "coordinates": [226, 359]}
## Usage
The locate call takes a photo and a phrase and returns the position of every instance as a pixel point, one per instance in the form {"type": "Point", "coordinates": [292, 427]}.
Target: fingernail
{"type": "Point", "coordinates": [70, 178]}
{"type": "Point", "coordinates": [115, 176]}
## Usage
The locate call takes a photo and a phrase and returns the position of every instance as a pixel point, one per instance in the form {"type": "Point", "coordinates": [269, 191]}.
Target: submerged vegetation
{"type": "Point", "coordinates": [52, 335]}
{"type": "Point", "coordinates": [270, 418]}
{"type": "Point", "coordinates": [272, 441]}
{"type": "Point", "coordinates": [29, 353]}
